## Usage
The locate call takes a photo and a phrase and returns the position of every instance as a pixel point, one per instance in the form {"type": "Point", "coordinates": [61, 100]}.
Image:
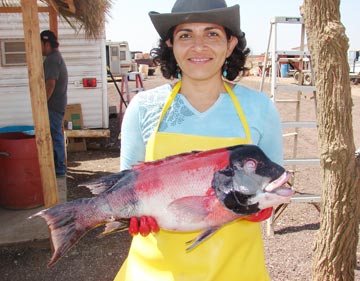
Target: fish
{"type": "Point", "coordinates": [194, 191]}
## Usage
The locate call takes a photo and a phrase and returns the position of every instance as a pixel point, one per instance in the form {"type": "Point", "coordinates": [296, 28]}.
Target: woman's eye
{"type": "Point", "coordinates": [213, 34]}
{"type": "Point", "coordinates": [184, 36]}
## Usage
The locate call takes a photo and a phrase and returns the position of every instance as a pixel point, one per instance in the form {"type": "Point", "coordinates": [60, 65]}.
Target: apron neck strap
{"type": "Point", "coordinates": [239, 111]}
{"type": "Point", "coordinates": [167, 104]}
{"type": "Point", "coordinates": [235, 101]}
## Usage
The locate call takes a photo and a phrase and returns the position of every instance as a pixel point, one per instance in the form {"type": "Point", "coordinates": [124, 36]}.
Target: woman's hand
{"type": "Point", "coordinates": [146, 224]}
{"type": "Point", "coordinates": [143, 225]}
{"type": "Point", "coordinates": [260, 216]}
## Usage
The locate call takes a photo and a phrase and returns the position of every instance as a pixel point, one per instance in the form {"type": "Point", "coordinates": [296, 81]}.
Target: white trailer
{"type": "Point", "coordinates": [118, 57]}
{"type": "Point", "coordinates": [86, 63]}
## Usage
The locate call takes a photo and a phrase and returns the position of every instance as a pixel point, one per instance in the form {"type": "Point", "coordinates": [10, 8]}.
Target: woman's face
{"type": "Point", "coordinates": [200, 49]}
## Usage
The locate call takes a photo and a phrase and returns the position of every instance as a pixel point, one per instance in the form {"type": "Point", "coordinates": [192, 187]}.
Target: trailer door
{"type": "Point", "coordinates": [115, 60]}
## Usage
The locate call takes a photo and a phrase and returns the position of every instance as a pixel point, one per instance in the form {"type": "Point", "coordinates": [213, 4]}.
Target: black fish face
{"type": "Point", "coordinates": [249, 172]}
{"type": "Point", "coordinates": [264, 167]}
{"type": "Point", "coordinates": [235, 200]}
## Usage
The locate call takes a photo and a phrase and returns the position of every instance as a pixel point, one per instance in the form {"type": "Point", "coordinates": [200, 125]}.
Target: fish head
{"type": "Point", "coordinates": [251, 182]}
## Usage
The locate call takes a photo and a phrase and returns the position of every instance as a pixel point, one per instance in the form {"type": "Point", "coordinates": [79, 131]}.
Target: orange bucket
{"type": "Point", "coordinates": [20, 180]}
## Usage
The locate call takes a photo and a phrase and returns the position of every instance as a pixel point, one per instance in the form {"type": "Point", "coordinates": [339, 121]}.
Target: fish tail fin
{"type": "Point", "coordinates": [66, 225]}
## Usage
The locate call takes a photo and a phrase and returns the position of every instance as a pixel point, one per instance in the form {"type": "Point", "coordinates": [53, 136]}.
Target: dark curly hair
{"type": "Point", "coordinates": [164, 57]}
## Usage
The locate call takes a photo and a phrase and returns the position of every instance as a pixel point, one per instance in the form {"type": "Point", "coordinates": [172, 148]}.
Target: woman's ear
{"type": "Point", "coordinates": [233, 41]}
{"type": "Point", "coordinates": [168, 43]}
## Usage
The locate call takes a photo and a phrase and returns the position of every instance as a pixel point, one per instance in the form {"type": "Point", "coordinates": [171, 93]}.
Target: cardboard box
{"type": "Point", "coordinates": [76, 144]}
{"type": "Point", "coordinates": [73, 113]}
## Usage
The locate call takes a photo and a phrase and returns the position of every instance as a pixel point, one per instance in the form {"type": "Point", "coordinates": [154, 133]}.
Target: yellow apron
{"type": "Point", "coordinates": [235, 252]}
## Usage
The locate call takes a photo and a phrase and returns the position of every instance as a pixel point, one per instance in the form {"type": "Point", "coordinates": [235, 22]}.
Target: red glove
{"type": "Point", "coordinates": [260, 216]}
{"type": "Point", "coordinates": [143, 225]}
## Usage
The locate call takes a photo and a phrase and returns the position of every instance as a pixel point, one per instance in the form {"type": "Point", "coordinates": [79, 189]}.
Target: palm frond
{"type": "Point", "coordinates": [89, 15]}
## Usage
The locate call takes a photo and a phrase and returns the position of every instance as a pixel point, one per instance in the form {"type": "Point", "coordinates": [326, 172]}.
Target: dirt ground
{"type": "Point", "coordinates": [288, 252]}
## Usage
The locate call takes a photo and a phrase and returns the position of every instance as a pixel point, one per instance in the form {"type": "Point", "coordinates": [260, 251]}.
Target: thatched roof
{"type": "Point", "coordinates": [87, 14]}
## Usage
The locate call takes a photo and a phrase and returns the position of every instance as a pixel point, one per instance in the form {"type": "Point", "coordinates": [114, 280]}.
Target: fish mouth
{"type": "Point", "coordinates": [281, 185]}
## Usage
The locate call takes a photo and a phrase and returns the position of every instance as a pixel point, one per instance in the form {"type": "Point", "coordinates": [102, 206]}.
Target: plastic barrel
{"type": "Point", "coordinates": [284, 70]}
{"type": "Point", "coordinates": [144, 68]}
{"type": "Point", "coordinates": [24, 129]}
{"type": "Point", "coordinates": [20, 181]}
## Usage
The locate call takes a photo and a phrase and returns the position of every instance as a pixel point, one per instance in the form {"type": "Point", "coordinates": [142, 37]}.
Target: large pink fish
{"type": "Point", "coordinates": [185, 192]}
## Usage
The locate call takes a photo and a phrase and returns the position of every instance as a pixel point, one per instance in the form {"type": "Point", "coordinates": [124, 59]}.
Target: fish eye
{"type": "Point", "coordinates": [250, 165]}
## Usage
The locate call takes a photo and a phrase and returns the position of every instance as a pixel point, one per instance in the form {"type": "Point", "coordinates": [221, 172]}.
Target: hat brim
{"type": "Point", "coordinates": [228, 17]}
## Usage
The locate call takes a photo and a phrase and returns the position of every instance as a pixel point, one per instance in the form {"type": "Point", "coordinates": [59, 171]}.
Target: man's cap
{"type": "Point", "coordinates": [188, 11]}
{"type": "Point", "coordinates": [48, 35]}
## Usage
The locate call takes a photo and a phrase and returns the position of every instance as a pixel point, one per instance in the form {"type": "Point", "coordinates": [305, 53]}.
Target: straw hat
{"type": "Point", "coordinates": [186, 11]}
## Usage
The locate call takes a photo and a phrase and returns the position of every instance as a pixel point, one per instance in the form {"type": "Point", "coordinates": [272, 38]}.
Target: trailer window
{"type": "Point", "coordinates": [114, 51]}
{"type": "Point", "coordinates": [13, 53]}
{"type": "Point", "coordinates": [122, 55]}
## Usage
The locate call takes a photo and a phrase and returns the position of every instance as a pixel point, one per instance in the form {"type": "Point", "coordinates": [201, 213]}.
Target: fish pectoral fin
{"type": "Point", "coordinates": [196, 208]}
{"type": "Point", "coordinates": [114, 226]}
{"type": "Point", "coordinates": [201, 237]}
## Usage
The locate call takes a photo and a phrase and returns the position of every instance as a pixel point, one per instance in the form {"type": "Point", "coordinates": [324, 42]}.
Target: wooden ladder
{"type": "Point", "coordinates": [126, 91]}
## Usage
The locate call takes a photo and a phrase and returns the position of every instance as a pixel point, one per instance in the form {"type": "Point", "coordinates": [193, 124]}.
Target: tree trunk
{"type": "Point", "coordinates": [335, 246]}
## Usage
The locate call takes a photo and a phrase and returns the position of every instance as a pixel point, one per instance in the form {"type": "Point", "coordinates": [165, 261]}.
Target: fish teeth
{"type": "Point", "coordinates": [279, 182]}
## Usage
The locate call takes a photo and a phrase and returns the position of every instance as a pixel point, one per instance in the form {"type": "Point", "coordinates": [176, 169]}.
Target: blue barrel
{"type": "Point", "coordinates": [29, 130]}
{"type": "Point", "coordinates": [284, 70]}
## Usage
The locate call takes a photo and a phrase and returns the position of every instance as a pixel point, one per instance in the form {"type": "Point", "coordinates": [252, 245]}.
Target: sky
{"type": "Point", "coordinates": [129, 21]}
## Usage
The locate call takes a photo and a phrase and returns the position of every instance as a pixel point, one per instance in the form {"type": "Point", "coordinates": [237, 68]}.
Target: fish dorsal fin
{"type": "Point", "coordinates": [172, 158]}
{"type": "Point", "coordinates": [104, 183]}
{"type": "Point", "coordinates": [177, 158]}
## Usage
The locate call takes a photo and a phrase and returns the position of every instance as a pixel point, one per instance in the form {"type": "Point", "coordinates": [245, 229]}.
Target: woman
{"type": "Point", "coordinates": [201, 43]}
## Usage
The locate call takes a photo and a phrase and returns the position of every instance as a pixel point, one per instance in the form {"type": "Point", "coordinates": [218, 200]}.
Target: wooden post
{"type": "Point", "coordinates": [53, 20]}
{"type": "Point", "coordinates": [39, 101]}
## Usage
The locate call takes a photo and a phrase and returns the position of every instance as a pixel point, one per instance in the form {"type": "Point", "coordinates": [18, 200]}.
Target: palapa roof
{"type": "Point", "coordinates": [87, 14]}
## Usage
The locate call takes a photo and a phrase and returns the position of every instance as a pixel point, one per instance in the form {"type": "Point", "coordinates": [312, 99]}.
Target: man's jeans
{"type": "Point", "coordinates": [57, 136]}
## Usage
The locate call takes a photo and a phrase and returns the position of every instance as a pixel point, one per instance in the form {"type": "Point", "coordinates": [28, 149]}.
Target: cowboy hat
{"type": "Point", "coordinates": [186, 11]}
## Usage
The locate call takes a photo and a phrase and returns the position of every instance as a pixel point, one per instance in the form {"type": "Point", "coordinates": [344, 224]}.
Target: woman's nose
{"type": "Point", "coordinates": [199, 43]}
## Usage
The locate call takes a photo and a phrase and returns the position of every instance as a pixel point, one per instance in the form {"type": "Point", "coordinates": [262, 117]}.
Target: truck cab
{"type": "Point", "coordinates": [144, 58]}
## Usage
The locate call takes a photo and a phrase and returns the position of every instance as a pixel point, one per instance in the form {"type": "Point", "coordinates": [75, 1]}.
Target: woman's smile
{"type": "Point", "coordinates": [199, 60]}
